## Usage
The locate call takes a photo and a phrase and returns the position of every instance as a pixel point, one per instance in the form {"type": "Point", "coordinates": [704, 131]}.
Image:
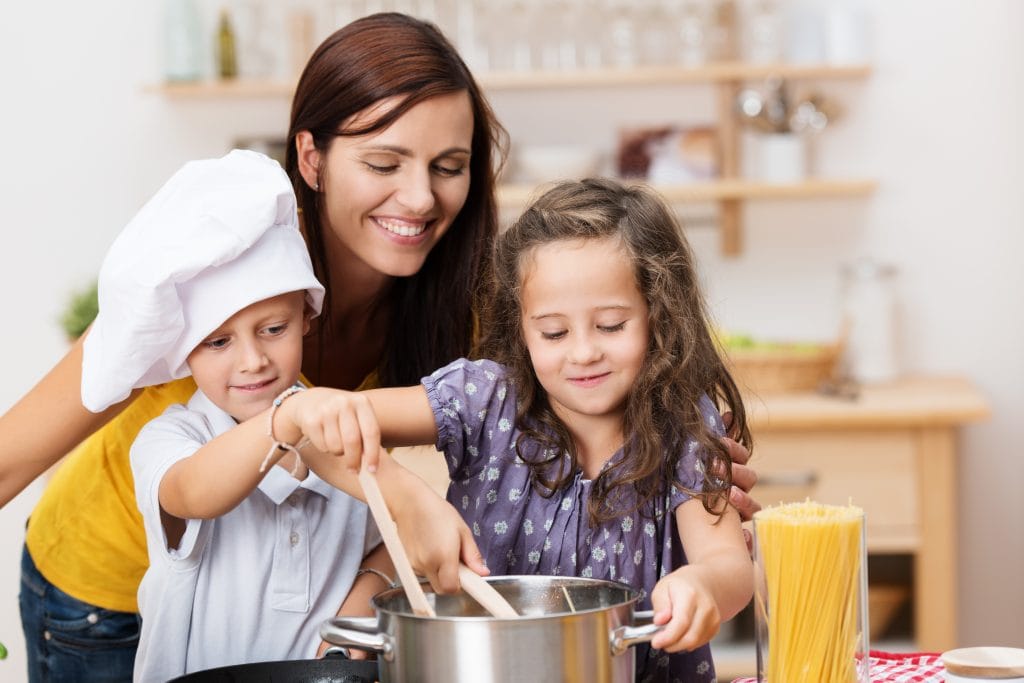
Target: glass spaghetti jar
{"type": "Point", "coordinates": [810, 596]}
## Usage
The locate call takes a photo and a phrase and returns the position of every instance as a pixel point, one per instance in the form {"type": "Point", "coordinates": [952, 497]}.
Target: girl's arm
{"type": "Point", "coordinates": [717, 583]}
{"type": "Point", "coordinates": [46, 424]}
{"type": "Point", "coordinates": [432, 531]}
{"type": "Point", "coordinates": [218, 476]}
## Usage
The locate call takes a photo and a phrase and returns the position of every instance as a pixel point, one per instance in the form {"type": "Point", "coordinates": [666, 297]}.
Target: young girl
{"type": "Point", "coordinates": [589, 444]}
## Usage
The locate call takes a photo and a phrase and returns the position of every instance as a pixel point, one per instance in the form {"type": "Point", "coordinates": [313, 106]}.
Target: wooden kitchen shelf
{"type": "Point", "coordinates": [666, 75]}
{"type": "Point", "coordinates": [517, 196]}
{"type": "Point", "coordinates": [727, 79]}
{"type": "Point", "coordinates": [218, 90]}
{"type": "Point", "coordinates": [523, 80]}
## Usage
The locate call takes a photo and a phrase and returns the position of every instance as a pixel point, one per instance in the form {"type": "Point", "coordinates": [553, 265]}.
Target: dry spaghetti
{"type": "Point", "coordinates": [811, 587]}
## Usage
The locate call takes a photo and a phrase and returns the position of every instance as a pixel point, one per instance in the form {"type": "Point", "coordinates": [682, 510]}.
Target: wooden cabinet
{"type": "Point", "coordinates": [729, 191]}
{"type": "Point", "coordinates": [891, 451]}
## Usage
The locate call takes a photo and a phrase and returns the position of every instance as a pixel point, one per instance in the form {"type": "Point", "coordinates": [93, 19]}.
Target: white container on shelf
{"type": "Point", "coordinates": [779, 157]}
{"type": "Point", "coordinates": [847, 33]}
{"type": "Point", "coordinates": [869, 302]}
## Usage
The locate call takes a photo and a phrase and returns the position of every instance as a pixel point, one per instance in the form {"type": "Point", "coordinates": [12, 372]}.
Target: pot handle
{"type": "Point", "coordinates": [625, 637]}
{"type": "Point", "coordinates": [359, 633]}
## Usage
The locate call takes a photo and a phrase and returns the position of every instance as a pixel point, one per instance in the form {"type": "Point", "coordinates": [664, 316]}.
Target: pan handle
{"type": "Point", "coordinates": [625, 637]}
{"type": "Point", "coordinates": [359, 633]}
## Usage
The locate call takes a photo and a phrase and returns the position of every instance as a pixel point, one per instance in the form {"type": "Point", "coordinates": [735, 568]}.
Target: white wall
{"type": "Point", "coordinates": [936, 123]}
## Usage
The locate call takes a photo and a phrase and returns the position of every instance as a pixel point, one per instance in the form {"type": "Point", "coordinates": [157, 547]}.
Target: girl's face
{"type": "Point", "coordinates": [391, 195]}
{"type": "Point", "coordinates": [254, 356]}
{"type": "Point", "coordinates": [585, 326]}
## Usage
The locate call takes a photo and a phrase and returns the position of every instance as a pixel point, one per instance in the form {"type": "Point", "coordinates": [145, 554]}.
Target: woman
{"type": "Point", "coordinates": [392, 151]}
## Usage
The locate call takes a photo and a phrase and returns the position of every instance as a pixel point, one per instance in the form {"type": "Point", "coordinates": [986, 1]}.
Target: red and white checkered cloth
{"type": "Point", "coordinates": [890, 667]}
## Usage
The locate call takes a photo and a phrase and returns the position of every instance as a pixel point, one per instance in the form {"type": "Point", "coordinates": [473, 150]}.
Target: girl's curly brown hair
{"type": "Point", "coordinates": [682, 364]}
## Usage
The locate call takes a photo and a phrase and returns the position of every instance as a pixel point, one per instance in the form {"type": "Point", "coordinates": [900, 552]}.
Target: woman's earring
{"type": "Point", "coordinates": [316, 186]}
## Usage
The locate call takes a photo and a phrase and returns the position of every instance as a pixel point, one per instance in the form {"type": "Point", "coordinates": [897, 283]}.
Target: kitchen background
{"type": "Point", "coordinates": [936, 123]}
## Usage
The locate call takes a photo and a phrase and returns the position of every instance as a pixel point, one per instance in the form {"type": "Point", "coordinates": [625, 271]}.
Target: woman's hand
{"type": "Point", "coordinates": [687, 609]}
{"type": "Point", "coordinates": [744, 478]}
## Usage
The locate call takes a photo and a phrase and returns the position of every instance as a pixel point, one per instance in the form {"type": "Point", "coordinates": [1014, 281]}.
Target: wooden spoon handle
{"type": "Point", "coordinates": [484, 593]}
{"type": "Point", "coordinates": [389, 532]}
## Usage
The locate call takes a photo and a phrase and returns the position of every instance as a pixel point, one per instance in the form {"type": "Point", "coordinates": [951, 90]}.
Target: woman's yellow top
{"type": "Point", "coordinates": [85, 534]}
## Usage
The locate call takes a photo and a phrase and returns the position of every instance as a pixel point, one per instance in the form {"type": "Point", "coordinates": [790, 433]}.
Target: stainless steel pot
{"type": "Point", "coordinates": [572, 630]}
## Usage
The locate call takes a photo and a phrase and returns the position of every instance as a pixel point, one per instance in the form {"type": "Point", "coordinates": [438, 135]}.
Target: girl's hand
{"type": "Point", "coordinates": [340, 423]}
{"type": "Point", "coordinates": [436, 539]}
{"type": "Point", "coordinates": [687, 609]}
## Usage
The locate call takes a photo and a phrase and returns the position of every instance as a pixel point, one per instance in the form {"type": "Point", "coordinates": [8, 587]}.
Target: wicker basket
{"type": "Point", "coordinates": [884, 603]}
{"type": "Point", "coordinates": [782, 369]}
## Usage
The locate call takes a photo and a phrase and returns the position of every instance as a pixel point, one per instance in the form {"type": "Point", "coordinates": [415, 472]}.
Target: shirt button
{"type": "Point", "coordinates": [92, 618]}
{"type": "Point", "coordinates": [46, 635]}
{"type": "Point", "coordinates": [293, 500]}
{"type": "Point", "coordinates": [293, 538]}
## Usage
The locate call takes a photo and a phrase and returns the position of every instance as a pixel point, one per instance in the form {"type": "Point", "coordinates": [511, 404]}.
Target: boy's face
{"type": "Point", "coordinates": [254, 356]}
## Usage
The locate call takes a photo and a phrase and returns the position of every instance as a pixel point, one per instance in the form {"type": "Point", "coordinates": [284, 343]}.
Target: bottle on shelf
{"type": "Point", "coordinates": [227, 61]}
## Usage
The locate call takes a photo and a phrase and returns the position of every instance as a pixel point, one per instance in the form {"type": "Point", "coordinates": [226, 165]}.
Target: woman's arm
{"type": "Point", "coordinates": [717, 583]}
{"type": "Point", "coordinates": [366, 585]}
{"type": "Point", "coordinates": [47, 423]}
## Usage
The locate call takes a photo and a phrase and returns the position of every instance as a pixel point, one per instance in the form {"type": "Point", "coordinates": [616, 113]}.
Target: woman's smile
{"type": "Point", "coordinates": [403, 227]}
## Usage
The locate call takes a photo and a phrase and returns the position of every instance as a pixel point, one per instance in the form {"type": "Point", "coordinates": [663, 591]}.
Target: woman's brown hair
{"type": "Point", "coordinates": [681, 368]}
{"type": "Point", "coordinates": [393, 55]}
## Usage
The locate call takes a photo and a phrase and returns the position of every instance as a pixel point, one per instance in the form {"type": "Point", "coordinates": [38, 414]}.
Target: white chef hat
{"type": "Point", "coordinates": [220, 235]}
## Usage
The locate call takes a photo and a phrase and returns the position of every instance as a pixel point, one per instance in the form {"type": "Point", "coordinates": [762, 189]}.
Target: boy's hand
{"type": "Point", "coordinates": [687, 609]}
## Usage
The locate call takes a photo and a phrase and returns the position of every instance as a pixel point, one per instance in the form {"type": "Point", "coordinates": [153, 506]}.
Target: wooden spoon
{"type": "Point", "coordinates": [389, 532]}
{"type": "Point", "coordinates": [472, 583]}
{"type": "Point", "coordinates": [484, 593]}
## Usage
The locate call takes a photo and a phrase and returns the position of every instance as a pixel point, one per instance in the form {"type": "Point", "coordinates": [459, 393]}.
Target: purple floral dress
{"type": "Point", "coordinates": [521, 532]}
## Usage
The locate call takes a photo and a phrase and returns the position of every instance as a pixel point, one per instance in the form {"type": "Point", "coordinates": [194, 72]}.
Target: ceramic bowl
{"type": "Point", "coordinates": [541, 163]}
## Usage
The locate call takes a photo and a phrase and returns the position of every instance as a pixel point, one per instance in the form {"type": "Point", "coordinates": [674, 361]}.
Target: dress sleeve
{"type": "Point", "coordinates": [474, 410]}
{"type": "Point", "coordinates": [690, 469]}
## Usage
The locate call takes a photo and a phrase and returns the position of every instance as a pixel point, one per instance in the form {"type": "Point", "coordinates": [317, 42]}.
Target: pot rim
{"type": "Point", "coordinates": [566, 581]}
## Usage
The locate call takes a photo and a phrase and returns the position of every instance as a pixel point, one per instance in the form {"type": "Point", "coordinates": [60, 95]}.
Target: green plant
{"type": "Point", "coordinates": [80, 312]}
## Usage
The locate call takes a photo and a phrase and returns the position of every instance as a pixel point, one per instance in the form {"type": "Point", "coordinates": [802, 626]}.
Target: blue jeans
{"type": "Point", "coordinates": [70, 641]}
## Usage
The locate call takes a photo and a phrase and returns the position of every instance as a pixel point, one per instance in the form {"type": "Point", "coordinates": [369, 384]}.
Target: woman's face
{"type": "Point", "coordinates": [391, 195]}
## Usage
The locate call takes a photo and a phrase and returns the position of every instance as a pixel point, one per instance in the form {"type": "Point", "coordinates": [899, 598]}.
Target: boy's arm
{"type": "Point", "coordinates": [219, 475]}
{"type": "Point", "coordinates": [714, 586]}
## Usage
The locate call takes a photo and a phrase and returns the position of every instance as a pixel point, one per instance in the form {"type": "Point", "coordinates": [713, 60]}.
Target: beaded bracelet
{"type": "Point", "coordinates": [279, 448]}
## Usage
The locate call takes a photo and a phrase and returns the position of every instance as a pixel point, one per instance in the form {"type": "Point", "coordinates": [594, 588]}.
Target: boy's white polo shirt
{"type": "Point", "coordinates": [252, 585]}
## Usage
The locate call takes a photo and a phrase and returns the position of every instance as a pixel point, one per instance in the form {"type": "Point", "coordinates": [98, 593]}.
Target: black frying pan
{"type": "Point", "coordinates": [333, 668]}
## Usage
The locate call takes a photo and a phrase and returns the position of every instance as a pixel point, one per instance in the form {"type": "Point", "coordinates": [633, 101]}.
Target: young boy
{"type": "Point", "coordinates": [212, 278]}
